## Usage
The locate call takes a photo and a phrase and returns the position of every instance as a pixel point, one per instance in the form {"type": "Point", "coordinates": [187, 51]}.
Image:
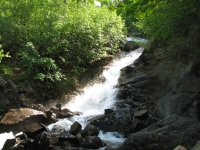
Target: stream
{"type": "Point", "coordinates": [94, 100]}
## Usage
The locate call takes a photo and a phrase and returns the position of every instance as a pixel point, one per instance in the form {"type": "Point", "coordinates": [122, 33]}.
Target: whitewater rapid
{"type": "Point", "coordinates": [94, 100]}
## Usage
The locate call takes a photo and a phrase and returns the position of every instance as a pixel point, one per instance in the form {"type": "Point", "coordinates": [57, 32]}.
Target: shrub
{"type": "Point", "coordinates": [55, 37]}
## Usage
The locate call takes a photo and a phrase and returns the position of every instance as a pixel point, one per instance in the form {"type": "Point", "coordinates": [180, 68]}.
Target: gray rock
{"type": "Point", "coordinates": [92, 142]}
{"type": "Point", "coordinates": [173, 103]}
{"type": "Point", "coordinates": [90, 130]}
{"type": "Point", "coordinates": [22, 119]}
{"type": "Point", "coordinates": [65, 113]}
{"type": "Point", "coordinates": [130, 45]}
{"type": "Point", "coordinates": [142, 114]}
{"type": "Point", "coordinates": [57, 129]}
{"type": "Point", "coordinates": [136, 126]}
{"type": "Point", "coordinates": [75, 128]}
{"type": "Point", "coordinates": [165, 134]}
{"type": "Point", "coordinates": [44, 140]}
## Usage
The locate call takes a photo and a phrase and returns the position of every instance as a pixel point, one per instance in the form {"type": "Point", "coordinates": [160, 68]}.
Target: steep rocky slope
{"type": "Point", "coordinates": [166, 84]}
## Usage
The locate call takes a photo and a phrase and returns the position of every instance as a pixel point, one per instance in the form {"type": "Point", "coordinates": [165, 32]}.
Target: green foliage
{"type": "Point", "coordinates": [2, 54]}
{"type": "Point", "coordinates": [41, 68]}
{"type": "Point", "coordinates": [5, 69]}
{"type": "Point", "coordinates": [169, 19]}
{"type": "Point", "coordinates": [52, 38]}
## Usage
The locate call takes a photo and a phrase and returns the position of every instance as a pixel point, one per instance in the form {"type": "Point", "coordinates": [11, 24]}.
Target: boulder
{"type": "Point", "coordinates": [22, 119]}
{"type": "Point", "coordinates": [57, 129]}
{"type": "Point", "coordinates": [90, 130]}
{"type": "Point", "coordinates": [33, 129]}
{"type": "Point", "coordinates": [130, 45]}
{"type": "Point", "coordinates": [44, 140]}
{"type": "Point", "coordinates": [76, 127]}
{"type": "Point", "coordinates": [65, 113]}
{"type": "Point", "coordinates": [68, 139]}
{"type": "Point", "coordinates": [119, 121]}
{"type": "Point", "coordinates": [173, 103]}
{"type": "Point", "coordinates": [142, 114]}
{"type": "Point", "coordinates": [91, 142]}
{"type": "Point", "coordinates": [51, 116]}
{"type": "Point", "coordinates": [165, 134]}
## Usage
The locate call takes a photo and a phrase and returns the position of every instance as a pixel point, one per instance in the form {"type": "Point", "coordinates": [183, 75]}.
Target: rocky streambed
{"type": "Point", "coordinates": [157, 107]}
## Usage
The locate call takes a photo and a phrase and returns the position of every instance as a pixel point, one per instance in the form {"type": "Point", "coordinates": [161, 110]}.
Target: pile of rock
{"type": "Point", "coordinates": [57, 139]}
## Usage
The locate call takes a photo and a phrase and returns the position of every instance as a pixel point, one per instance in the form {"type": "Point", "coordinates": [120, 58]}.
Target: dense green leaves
{"type": "Point", "coordinates": [50, 38]}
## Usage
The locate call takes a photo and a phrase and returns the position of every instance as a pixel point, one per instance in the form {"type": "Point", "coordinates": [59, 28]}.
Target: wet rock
{"type": "Point", "coordinates": [119, 121]}
{"type": "Point", "coordinates": [51, 116]}
{"type": "Point", "coordinates": [21, 136]}
{"type": "Point", "coordinates": [59, 106]}
{"type": "Point", "coordinates": [68, 139]}
{"type": "Point", "coordinates": [44, 140]}
{"type": "Point", "coordinates": [90, 130]}
{"type": "Point", "coordinates": [75, 128]}
{"type": "Point", "coordinates": [54, 110]}
{"type": "Point", "coordinates": [65, 113]}
{"type": "Point", "coordinates": [165, 134]}
{"type": "Point", "coordinates": [18, 120]}
{"type": "Point", "coordinates": [129, 46]}
{"type": "Point", "coordinates": [142, 114]}
{"type": "Point", "coordinates": [108, 111]}
{"type": "Point", "coordinates": [92, 142]}
{"type": "Point", "coordinates": [179, 147]}
{"type": "Point", "coordinates": [57, 129]}
{"type": "Point", "coordinates": [8, 144]}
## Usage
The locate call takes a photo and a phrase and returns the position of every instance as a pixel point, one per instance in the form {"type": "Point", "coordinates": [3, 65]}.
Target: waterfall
{"type": "Point", "coordinates": [98, 97]}
{"type": "Point", "coordinates": [94, 100]}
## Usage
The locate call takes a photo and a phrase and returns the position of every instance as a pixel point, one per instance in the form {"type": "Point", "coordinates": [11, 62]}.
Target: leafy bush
{"type": "Point", "coordinates": [55, 37]}
{"type": "Point", "coordinates": [169, 19]}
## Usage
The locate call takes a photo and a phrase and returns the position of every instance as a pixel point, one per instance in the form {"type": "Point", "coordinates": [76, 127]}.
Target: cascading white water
{"type": "Point", "coordinates": [98, 97]}
{"type": "Point", "coordinates": [94, 100]}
